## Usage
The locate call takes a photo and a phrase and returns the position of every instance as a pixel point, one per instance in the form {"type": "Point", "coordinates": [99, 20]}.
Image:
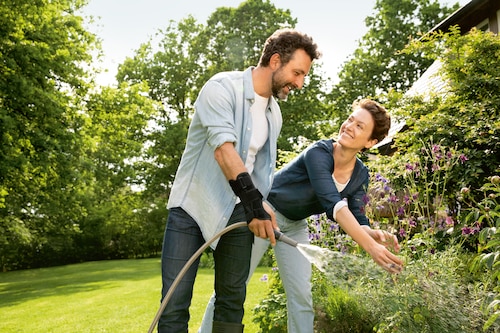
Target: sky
{"type": "Point", "coordinates": [122, 25]}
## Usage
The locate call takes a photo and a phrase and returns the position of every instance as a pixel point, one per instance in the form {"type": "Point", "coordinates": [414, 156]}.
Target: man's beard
{"type": "Point", "coordinates": [277, 86]}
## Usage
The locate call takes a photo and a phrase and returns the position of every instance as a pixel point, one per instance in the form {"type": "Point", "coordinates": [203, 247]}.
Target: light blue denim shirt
{"type": "Point", "coordinates": [222, 115]}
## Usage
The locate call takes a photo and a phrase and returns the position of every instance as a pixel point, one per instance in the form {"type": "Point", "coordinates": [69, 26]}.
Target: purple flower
{"type": "Point", "coordinates": [402, 232]}
{"type": "Point", "coordinates": [366, 199]}
{"type": "Point", "coordinates": [476, 228]}
{"type": "Point", "coordinates": [463, 158]}
{"type": "Point", "coordinates": [334, 227]}
{"type": "Point", "coordinates": [315, 217]}
{"type": "Point", "coordinates": [380, 178]}
{"type": "Point", "coordinates": [466, 231]}
{"type": "Point", "coordinates": [400, 211]}
{"type": "Point", "coordinates": [393, 199]}
{"type": "Point", "coordinates": [264, 278]}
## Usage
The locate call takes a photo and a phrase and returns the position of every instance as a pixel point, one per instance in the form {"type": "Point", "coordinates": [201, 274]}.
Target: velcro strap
{"type": "Point", "coordinates": [242, 183]}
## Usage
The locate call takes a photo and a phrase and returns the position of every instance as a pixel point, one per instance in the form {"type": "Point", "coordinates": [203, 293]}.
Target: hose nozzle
{"type": "Point", "coordinates": [281, 237]}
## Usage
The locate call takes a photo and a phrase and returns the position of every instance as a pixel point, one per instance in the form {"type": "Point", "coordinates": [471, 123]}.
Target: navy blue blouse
{"type": "Point", "coordinates": [305, 186]}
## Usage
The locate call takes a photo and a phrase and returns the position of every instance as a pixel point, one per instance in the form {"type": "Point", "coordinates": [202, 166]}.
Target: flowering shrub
{"type": "Point", "coordinates": [419, 203]}
{"type": "Point", "coordinates": [439, 230]}
{"type": "Point", "coordinates": [326, 233]}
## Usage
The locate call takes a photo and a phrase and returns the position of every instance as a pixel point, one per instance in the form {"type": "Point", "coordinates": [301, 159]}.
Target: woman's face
{"type": "Point", "coordinates": [355, 132]}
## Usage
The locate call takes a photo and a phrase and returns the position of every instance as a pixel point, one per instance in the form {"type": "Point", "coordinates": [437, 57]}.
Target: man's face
{"type": "Point", "coordinates": [291, 76]}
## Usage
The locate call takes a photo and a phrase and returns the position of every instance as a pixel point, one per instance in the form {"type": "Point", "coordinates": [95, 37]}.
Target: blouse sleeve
{"type": "Point", "coordinates": [319, 164]}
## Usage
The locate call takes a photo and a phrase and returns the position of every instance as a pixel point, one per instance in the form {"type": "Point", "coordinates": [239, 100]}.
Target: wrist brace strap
{"type": "Point", "coordinates": [250, 197]}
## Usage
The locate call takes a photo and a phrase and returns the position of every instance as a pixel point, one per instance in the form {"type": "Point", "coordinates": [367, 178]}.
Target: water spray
{"type": "Point", "coordinates": [279, 236]}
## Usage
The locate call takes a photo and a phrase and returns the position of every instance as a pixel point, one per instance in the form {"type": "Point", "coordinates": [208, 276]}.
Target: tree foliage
{"type": "Point", "coordinates": [42, 49]}
{"type": "Point", "coordinates": [377, 65]}
{"type": "Point", "coordinates": [464, 117]}
{"type": "Point", "coordinates": [187, 54]}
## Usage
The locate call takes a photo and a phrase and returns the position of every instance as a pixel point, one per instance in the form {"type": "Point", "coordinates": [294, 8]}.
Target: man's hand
{"type": "Point", "coordinates": [265, 228]}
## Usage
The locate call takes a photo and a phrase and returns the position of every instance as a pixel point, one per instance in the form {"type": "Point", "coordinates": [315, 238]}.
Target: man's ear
{"type": "Point", "coordinates": [275, 61]}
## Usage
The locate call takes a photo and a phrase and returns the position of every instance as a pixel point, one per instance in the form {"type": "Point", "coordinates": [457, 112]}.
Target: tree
{"type": "Point", "coordinates": [117, 133]}
{"type": "Point", "coordinates": [187, 55]}
{"type": "Point", "coordinates": [377, 65]}
{"type": "Point", "coordinates": [43, 48]}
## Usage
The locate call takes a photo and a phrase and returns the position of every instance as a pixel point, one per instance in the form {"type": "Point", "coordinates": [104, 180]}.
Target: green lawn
{"type": "Point", "coordinates": [106, 296]}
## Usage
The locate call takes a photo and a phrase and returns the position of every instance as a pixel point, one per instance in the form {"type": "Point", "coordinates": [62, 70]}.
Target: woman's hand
{"type": "Point", "coordinates": [382, 254]}
{"type": "Point", "coordinates": [385, 238]}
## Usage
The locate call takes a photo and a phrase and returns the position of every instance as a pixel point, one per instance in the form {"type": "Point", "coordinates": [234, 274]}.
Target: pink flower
{"type": "Point", "coordinates": [449, 221]}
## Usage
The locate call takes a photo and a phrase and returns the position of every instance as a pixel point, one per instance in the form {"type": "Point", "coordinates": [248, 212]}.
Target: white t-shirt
{"type": "Point", "coordinates": [260, 130]}
{"type": "Point", "coordinates": [343, 202]}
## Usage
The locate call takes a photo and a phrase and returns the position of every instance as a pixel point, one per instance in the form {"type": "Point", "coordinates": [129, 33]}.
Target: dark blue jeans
{"type": "Point", "coordinates": [232, 260]}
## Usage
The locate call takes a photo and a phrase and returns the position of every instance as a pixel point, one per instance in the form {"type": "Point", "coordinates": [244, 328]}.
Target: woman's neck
{"type": "Point", "coordinates": [344, 162]}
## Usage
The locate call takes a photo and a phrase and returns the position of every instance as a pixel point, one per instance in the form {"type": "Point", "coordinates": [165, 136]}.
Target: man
{"type": "Point", "coordinates": [225, 171]}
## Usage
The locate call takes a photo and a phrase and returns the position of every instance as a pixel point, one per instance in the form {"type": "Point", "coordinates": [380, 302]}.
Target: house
{"type": "Point", "coordinates": [481, 14]}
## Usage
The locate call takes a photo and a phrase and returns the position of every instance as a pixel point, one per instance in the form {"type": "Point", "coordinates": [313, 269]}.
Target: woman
{"type": "Point", "coordinates": [327, 177]}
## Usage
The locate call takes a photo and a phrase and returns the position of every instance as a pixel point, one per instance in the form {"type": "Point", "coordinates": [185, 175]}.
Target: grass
{"type": "Point", "coordinates": [105, 296]}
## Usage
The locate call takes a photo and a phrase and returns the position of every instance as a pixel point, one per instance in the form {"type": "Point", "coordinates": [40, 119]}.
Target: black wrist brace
{"type": "Point", "coordinates": [250, 197]}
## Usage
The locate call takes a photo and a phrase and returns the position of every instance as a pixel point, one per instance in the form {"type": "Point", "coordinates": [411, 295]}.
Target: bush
{"type": "Point", "coordinates": [270, 314]}
{"type": "Point", "coordinates": [339, 311]}
{"type": "Point", "coordinates": [432, 294]}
